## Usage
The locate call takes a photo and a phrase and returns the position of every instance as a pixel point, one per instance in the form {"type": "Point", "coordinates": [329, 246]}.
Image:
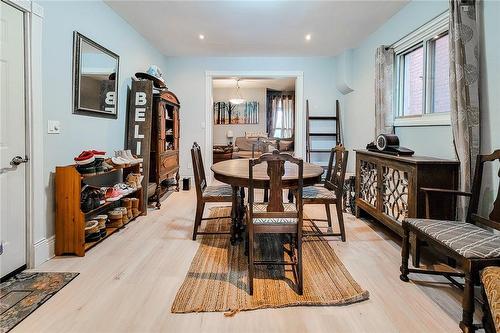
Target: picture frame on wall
{"type": "Point", "coordinates": [95, 78]}
{"type": "Point", "coordinates": [227, 113]}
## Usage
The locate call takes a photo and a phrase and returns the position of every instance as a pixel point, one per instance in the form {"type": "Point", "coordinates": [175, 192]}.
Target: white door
{"type": "Point", "coordinates": [12, 141]}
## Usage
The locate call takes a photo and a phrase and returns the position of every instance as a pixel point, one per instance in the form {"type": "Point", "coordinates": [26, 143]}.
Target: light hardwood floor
{"type": "Point", "coordinates": [128, 283]}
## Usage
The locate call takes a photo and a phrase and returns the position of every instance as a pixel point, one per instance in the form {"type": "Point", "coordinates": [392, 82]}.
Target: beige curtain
{"type": "Point", "coordinates": [464, 90]}
{"type": "Point", "coordinates": [384, 86]}
{"type": "Point", "coordinates": [287, 125]}
{"type": "Point", "coordinates": [281, 115]}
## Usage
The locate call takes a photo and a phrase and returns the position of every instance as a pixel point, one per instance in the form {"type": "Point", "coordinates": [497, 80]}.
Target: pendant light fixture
{"type": "Point", "coordinates": [237, 99]}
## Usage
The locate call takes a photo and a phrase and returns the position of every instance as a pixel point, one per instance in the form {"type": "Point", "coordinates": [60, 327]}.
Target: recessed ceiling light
{"type": "Point", "coordinates": [308, 37]}
{"type": "Point", "coordinates": [201, 36]}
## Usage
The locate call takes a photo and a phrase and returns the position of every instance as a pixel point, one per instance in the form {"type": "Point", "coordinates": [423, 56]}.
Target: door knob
{"type": "Point", "coordinates": [18, 160]}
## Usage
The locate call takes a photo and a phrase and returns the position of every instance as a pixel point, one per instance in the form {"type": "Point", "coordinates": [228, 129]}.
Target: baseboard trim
{"type": "Point", "coordinates": [44, 250]}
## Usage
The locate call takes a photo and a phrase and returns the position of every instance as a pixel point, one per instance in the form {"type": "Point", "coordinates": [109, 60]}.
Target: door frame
{"type": "Point", "coordinates": [35, 188]}
{"type": "Point", "coordinates": [300, 123]}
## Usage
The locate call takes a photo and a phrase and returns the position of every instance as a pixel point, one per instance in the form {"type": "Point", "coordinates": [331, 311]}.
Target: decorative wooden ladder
{"type": "Point", "coordinates": [333, 134]}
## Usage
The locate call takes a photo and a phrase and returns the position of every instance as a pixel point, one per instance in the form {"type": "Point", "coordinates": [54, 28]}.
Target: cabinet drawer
{"type": "Point", "coordinates": [168, 163]}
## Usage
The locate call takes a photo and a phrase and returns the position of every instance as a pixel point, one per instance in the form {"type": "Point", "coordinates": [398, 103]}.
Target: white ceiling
{"type": "Point", "coordinates": [276, 84]}
{"type": "Point", "coordinates": [256, 28]}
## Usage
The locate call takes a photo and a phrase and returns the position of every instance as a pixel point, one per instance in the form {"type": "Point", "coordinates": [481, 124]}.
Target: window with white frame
{"type": "Point", "coordinates": [422, 83]}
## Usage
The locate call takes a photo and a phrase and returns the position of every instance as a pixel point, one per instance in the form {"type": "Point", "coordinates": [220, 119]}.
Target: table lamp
{"type": "Point", "coordinates": [230, 135]}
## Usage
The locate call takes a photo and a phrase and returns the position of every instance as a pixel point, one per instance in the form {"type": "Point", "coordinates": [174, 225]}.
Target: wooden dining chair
{"type": "Point", "coordinates": [260, 147]}
{"type": "Point", "coordinates": [204, 193]}
{"type": "Point", "coordinates": [329, 193]}
{"type": "Point", "coordinates": [275, 217]}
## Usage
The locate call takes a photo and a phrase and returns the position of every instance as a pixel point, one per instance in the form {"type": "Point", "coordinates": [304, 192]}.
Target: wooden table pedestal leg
{"type": "Point", "coordinates": [234, 215]}
{"type": "Point", "coordinates": [237, 215]}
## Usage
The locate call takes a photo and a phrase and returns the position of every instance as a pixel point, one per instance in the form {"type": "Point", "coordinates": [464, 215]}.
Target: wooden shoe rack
{"type": "Point", "coordinates": [70, 219]}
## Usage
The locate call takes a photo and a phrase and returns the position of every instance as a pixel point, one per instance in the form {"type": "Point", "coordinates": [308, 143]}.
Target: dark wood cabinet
{"type": "Point", "coordinates": [164, 154]}
{"type": "Point", "coordinates": [388, 187]}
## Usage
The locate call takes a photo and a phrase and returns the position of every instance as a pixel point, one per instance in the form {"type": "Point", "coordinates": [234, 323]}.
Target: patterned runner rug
{"type": "Point", "coordinates": [25, 292]}
{"type": "Point", "coordinates": [217, 279]}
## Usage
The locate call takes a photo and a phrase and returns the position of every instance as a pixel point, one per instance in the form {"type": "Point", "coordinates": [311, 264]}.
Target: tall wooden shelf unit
{"type": "Point", "coordinates": [70, 219]}
{"type": "Point", "coordinates": [164, 153]}
{"type": "Point", "coordinates": [333, 122]}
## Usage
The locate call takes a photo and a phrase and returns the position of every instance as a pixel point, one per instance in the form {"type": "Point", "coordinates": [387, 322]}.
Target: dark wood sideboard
{"type": "Point", "coordinates": [388, 187]}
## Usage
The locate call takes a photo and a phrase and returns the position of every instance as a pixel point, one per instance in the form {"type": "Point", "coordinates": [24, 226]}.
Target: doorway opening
{"type": "Point", "coordinates": [252, 116]}
{"type": "Point", "coordinates": [249, 113]}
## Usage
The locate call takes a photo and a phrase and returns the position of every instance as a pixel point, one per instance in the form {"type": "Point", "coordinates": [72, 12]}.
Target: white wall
{"type": "Point", "coordinates": [185, 76]}
{"type": "Point", "coordinates": [97, 21]}
{"type": "Point", "coordinates": [250, 94]}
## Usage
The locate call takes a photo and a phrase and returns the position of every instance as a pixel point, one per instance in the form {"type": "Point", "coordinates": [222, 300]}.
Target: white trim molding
{"type": "Point", "coordinates": [420, 38]}
{"type": "Point", "coordinates": [300, 123]}
{"type": "Point", "coordinates": [431, 119]}
{"type": "Point", "coordinates": [434, 27]}
{"type": "Point", "coordinates": [37, 129]}
{"type": "Point", "coordinates": [44, 250]}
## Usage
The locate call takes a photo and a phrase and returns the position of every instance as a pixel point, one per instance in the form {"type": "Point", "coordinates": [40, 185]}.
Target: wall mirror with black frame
{"type": "Point", "coordinates": [95, 78]}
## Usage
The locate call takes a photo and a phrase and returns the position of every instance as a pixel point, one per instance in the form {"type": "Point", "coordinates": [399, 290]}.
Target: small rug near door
{"type": "Point", "coordinates": [217, 279]}
{"type": "Point", "coordinates": [25, 292]}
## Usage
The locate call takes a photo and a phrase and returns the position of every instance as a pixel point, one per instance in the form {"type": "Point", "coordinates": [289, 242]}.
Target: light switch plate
{"type": "Point", "coordinates": [54, 127]}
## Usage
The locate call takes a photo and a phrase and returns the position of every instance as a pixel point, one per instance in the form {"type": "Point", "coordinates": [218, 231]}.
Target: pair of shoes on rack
{"type": "Point", "coordinates": [91, 198]}
{"type": "Point", "coordinates": [124, 189]}
{"type": "Point", "coordinates": [92, 231]}
{"type": "Point", "coordinates": [123, 157]}
{"type": "Point", "coordinates": [117, 192]}
{"type": "Point", "coordinates": [112, 194]}
{"type": "Point", "coordinates": [135, 180]}
{"type": "Point", "coordinates": [91, 162]}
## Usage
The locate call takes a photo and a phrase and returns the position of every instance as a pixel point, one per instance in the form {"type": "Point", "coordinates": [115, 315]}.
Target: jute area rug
{"type": "Point", "coordinates": [218, 281]}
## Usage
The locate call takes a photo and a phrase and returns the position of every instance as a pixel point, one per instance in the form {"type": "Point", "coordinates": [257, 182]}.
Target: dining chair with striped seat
{"type": "Point", "coordinates": [205, 193]}
{"type": "Point", "coordinates": [275, 217]}
{"type": "Point", "coordinates": [329, 193]}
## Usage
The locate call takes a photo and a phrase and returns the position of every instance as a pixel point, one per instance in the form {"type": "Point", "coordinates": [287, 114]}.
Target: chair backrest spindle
{"type": "Point", "coordinates": [493, 220]}
{"type": "Point", "coordinates": [337, 166]}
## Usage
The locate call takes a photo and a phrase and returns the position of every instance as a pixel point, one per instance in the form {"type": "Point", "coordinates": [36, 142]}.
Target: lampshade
{"type": "Point", "coordinates": [237, 99]}
{"type": "Point", "coordinates": [229, 134]}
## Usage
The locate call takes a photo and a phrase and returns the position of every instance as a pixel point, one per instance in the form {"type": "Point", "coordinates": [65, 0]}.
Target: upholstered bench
{"type": "Point", "coordinates": [466, 239]}
{"type": "Point", "coordinates": [472, 244]}
{"type": "Point", "coordinates": [490, 278]}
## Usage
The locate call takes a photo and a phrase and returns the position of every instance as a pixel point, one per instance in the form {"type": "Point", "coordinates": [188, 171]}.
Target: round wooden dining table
{"type": "Point", "coordinates": [235, 173]}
